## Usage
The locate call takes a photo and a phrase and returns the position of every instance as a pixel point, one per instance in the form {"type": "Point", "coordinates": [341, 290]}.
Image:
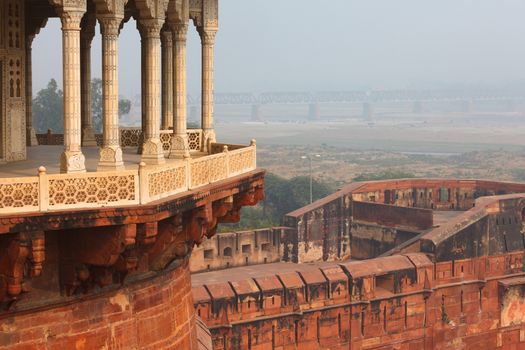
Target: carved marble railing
{"type": "Point", "coordinates": [52, 192]}
{"type": "Point", "coordinates": [130, 137]}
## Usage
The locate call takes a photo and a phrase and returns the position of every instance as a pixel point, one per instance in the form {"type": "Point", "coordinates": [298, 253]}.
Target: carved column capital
{"type": "Point", "coordinates": [110, 24]}
{"type": "Point", "coordinates": [207, 36]}
{"type": "Point", "coordinates": [166, 38]}
{"type": "Point", "coordinates": [71, 19]}
{"type": "Point", "coordinates": [180, 31]}
{"type": "Point", "coordinates": [150, 28]}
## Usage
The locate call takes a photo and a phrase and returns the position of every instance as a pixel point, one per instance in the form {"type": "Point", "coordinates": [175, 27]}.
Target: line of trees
{"type": "Point", "coordinates": [281, 197]}
{"type": "Point", "coordinates": [286, 195]}
{"type": "Point", "coordinates": [48, 107]}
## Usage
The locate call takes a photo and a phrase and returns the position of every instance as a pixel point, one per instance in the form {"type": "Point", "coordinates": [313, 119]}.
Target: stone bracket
{"type": "Point", "coordinates": [23, 259]}
{"type": "Point", "coordinates": [95, 257]}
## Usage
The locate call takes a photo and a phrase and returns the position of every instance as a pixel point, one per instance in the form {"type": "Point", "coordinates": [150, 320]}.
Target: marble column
{"type": "Point", "coordinates": [86, 37]}
{"type": "Point", "coordinates": [30, 131]}
{"type": "Point", "coordinates": [142, 89]}
{"type": "Point", "coordinates": [72, 160]}
{"type": "Point", "coordinates": [152, 152]}
{"type": "Point", "coordinates": [110, 153]}
{"type": "Point", "coordinates": [167, 78]}
{"type": "Point", "coordinates": [179, 142]}
{"type": "Point", "coordinates": [207, 42]}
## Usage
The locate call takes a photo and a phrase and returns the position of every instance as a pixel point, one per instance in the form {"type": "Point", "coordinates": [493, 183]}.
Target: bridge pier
{"type": "Point", "coordinates": [417, 107]}
{"type": "Point", "coordinates": [368, 112]}
{"type": "Point", "coordinates": [314, 111]}
{"type": "Point", "coordinates": [256, 113]}
{"type": "Point", "coordinates": [465, 106]}
{"type": "Point", "coordinates": [510, 105]}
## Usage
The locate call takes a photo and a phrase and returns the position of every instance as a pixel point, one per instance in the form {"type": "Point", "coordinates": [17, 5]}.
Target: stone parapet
{"type": "Point", "coordinates": [404, 301]}
{"type": "Point", "coordinates": [85, 273]}
{"type": "Point", "coordinates": [48, 192]}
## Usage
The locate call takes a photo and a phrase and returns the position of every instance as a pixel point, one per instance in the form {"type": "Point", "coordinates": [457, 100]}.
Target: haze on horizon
{"type": "Point", "coordinates": [307, 45]}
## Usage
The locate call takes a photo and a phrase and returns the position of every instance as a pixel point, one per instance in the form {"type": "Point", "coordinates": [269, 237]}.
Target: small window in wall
{"type": "Point", "coordinates": [208, 253]}
{"type": "Point", "coordinates": [246, 248]}
{"type": "Point", "coordinates": [385, 282]}
{"type": "Point", "coordinates": [227, 251]}
{"type": "Point", "coordinates": [265, 247]}
{"type": "Point", "coordinates": [387, 196]}
{"type": "Point", "coordinates": [362, 323]}
{"type": "Point", "coordinates": [444, 194]}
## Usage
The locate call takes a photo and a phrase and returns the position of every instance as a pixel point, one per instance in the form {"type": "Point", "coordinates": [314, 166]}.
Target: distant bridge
{"type": "Point", "coordinates": [361, 97]}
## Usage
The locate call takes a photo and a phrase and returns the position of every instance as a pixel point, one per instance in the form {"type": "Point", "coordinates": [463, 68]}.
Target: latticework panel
{"type": "Point", "coordinates": [218, 167]}
{"type": "Point", "coordinates": [200, 173]}
{"type": "Point", "coordinates": [100, 139]}
{"type": "Point", "coordinates": [50, 139]}
{"type": "Point", "coordinates": [165, 138]}
{"type": "Point", "coordinates": [167, 181]}
{"type": "Point", "coordinates": [194, 139]}
{"type": "Point", "coordinates": [242, 160]}
{"type": "Point", "coordinates": [19, 196]}
{"type": "Point", "coordinates": [130, 137]}
{"type": "Point", "coordinates": [208, 169]}
{"type": "Point", "coordinates": [88, 190]}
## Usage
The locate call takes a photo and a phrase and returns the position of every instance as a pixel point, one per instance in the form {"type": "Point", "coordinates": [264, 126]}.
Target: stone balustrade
{"type": "Point", "coordinates": [130, 137]}
{"type": "Point", "coordinates": [49, 192]}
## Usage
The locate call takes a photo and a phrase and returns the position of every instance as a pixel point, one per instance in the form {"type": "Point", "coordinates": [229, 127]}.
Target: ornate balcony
{"type": "Point", "coordinates": [140, 184]}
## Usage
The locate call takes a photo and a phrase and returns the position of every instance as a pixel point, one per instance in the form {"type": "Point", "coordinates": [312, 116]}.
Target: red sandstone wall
{"type": "Point", "coordinates": [392, 216]}
{"type": "Point", "coordinates": [155, 314]}
{"type": "Point", "coordinates": [472, 304]}
{"type": "Point", "coordinates": [233, 249]}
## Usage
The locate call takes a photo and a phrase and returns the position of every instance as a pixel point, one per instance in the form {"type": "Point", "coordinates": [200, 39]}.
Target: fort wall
{"type": "Point", "coordinates": [234, 249]}
{"type": "Point", "coordinates": [330, 228]}
{"type": "Point", "coordinates": [399, 302]}
{"type": "Point", "coordinates": [155, 313]}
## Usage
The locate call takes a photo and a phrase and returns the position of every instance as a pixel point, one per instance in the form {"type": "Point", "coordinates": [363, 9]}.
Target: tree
{"type": "Point", "coordinates": [96, 104]}
{"type": "Point", "coordinates": [384, 175]}
{"type": "Point", "coordinates": [48, 109]}
{"type": "Point", "coordinates": [281, 197]}
{"type": "Point", "coordinates": [124, 105]}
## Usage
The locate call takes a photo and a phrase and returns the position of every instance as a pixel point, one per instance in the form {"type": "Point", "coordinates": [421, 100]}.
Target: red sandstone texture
{"type": "Point", "coordinates": [155, 313]}
{"type": "Point", "coordinates": [112, 278]}
{"type": "Point", "coordinates": [462, 288]}
{"type": "Point", "coordinates": [398, 302]}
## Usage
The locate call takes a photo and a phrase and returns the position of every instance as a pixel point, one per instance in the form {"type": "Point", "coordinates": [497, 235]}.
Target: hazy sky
{"type": "Point", "coordinates": [315, 45]}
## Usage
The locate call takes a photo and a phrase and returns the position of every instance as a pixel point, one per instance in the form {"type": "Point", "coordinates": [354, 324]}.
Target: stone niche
{"type": "Point", "coordinates": [512, 301]}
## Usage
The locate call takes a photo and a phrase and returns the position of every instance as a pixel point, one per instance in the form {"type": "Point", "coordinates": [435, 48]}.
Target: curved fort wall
{"type": "Point", "coordinates": [366, 219]}
{"type": "Point", "coordinates": [153, 313]}
{"type": "Point", "coordinates": [462, 289]}
{"type": "Point", "coordinates": [112, 278]}
{"type": "Point", "coordinates": [398, 302]}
